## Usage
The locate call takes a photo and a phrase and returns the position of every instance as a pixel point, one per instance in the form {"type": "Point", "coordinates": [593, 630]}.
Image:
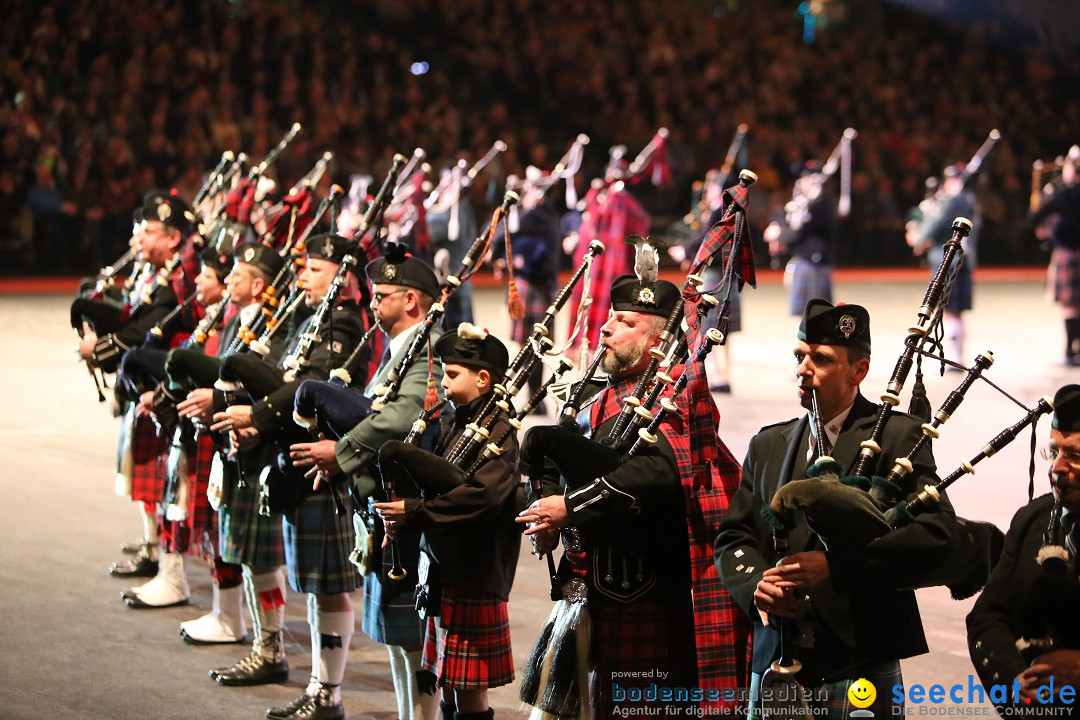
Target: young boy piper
{"type": "Point", "coordinates": [469, 536]}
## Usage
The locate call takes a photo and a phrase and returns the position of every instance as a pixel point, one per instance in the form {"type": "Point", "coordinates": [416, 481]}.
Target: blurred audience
{"type": "Point", "coordinates": [104, 100]}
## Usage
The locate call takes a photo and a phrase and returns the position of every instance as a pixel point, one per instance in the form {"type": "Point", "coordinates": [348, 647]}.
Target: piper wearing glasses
{"type": "Point", "coordinates": [1024, 627]}
{"type": "Point", "coordinates": [402, 291]}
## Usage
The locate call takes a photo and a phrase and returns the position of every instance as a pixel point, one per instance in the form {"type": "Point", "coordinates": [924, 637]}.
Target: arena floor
{"type": "Point", "coordinates": [70, 649]}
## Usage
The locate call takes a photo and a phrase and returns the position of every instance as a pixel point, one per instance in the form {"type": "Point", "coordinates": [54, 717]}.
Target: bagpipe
{"type": "Point", "coordinates": [700, 206]}
{"type": "Point", "coordinates": [331, 408]}
{"type": "Point", "coordinates": [929, 211]}
{"type": "Point", "coordinates": [532, 351]}
{"type": "Point", "coordinates": [250, 371]}
{"type": "Point", "coordinates": [580, 459]}
{"type": "Point", "coordinates": [272, 312]}
{"type": "Point", "coordinates": [228, 223]}
{"type": "Point", "coordinates": [809, 188]}
{"type": "Point", "coordinates": [312, 336]}
{"type": "Point", "coordinates": [857, 508]}
{"type": "Point", "coordinates": [445, 196]}
{"type": "Point", "coordinates": [469, 264]}
{"type": "Point", "coordinates": [554, 680]}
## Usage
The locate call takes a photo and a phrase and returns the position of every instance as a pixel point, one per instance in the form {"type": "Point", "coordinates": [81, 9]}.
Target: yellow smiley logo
{"type": "Point", "coordinates": [862, 693]}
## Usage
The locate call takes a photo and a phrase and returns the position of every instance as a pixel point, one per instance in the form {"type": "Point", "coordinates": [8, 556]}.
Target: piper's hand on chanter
{"type": "Point", "coordinates": [87, 342]}
{"type": "Point", "coordinates": [237, 417]}
{"type": "Point", "coordinates": [198, 405]}
{"type": "Point", "coordinates": [146, 404]}
{"type": "Point", "coordinates": [243, 439]}
{"type": "Point", "coordinates": [804, 569]}
{"type": "Point", "coordinates": [319, 454]}
{"type": "Point", "coordinates": [1062, 665]}
{"type": "Point", "coordinates": [548, 513]}
{"type": "Point", "coordinates": [544, 542]}
{"type": "Point", "coordinates": [774, 597]}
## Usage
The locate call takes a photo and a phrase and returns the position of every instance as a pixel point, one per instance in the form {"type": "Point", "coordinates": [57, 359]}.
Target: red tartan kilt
{"type": "Point", "coordinates": [201, 518]}
{"type": "Point", "coordinates": [655, 632]}
{"type": "Point", "coordinates": [468, 645]}
{"type": "Point", "coordinates": [148, 461]}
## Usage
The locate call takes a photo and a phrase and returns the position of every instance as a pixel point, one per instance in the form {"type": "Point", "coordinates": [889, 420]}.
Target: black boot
{"type": "Point", "coordinates": [265, 665]}
{"type": "Point", "coordinates": [485, 715]}
{"type": "Point", "coordinates": [447, 709]}
{"type": "Point", "coordinates": [142, 565]}
{"type": "Point", "coordinates": [284, 712]}
{"type": "Point", "coordinates": [320, 706]}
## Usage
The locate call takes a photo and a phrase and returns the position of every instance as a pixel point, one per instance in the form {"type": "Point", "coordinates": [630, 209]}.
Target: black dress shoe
{"type": "Point", "coordinates": [320, 706]}
{"type": "Point", "coordinates": [139, 566]}
{"type": "Point", "coordinates": [133, 548]}
{"type": "Point", "coordinates": [285, 712]}
{"type": "Point", "coordinates": [255, 670]}
{"type": "Point", "coordinates": [134, 602]}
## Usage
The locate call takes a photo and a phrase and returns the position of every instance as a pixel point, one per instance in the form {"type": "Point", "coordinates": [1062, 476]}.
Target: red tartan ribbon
{"type": "Point", "coordinates": [278, 227]}
{"type": "Point", "coordinates": [720, 237]}
{"type": "Point", "coordinates": [236, 197]}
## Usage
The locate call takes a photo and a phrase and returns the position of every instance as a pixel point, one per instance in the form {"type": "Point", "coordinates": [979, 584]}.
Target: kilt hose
{"type": "Point", "coordinates": [468, 645]}
{"type": "Point", "coordinates": [806, 281]}
{"type": "Point", "coordinates": [245, 536]}
{"type": "Point", "coordinates": [148, 454]}
{"type": "Point", "coordinates": [653, 633]}
{"type": "Point", "coordinates": [1065, 276]}
{"type": "Point", "coordinates": [318, 542]}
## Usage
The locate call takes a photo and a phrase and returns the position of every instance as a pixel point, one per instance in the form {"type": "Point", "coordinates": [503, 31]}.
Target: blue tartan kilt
{"type": "Point", "coordinates": [808, 281]}
{"type": "Point", "coordinates": [246, 537]}
{"type": "Point", "coordinates": [961, 291]}
{"type": "Point", "coordinates": [318, 542]}
{"type": "Point", "coordinates": [1065, 276]}
{"type": "Point", "coordinates": [390, 615]}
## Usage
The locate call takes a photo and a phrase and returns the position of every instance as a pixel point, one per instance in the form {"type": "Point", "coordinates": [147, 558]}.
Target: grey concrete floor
{"type": "Point", "coordinates": [69, 648]}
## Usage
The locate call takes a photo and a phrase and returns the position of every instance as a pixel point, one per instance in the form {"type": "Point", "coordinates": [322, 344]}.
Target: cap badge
{"type": "Point", "coordinates": [389, 271]}
{"type": "Point", "coordinates": [646, 296]}
{"type": "Point", "coordinates": [847, 325]}
{"type": "Point", "coordinates": [328, 248]}
{"type": "Point", "coordinates": [164, 212]}
{"type": "Point", "coordinates": [249, 254]}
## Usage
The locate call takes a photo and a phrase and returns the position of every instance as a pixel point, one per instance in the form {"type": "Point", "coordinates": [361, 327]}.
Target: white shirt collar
{"type": "Point", "coordinates": [402, 337]}
{"type": "Point", "coordinates": [832, 427]}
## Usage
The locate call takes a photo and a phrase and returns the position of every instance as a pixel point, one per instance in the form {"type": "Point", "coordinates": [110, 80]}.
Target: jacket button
{"type": "Point", "coordinates": [978, 644]}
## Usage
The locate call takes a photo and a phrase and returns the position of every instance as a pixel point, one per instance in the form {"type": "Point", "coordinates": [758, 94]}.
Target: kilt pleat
{"type": "Point", "coordinates": [468, 645]}
{"type": "Point", "coordinates": [201, 517]}
{"type": "Point", "coordinates": [148, 452]}
{"type": "Point", "coordinates": [246, 537]}
{"type": "Point", "coordinates": [318, 542]}
{"type": "Point", "coordinates": [390, 614]}
{"type": "Point", "coordinates": [807, 281]}
{"type": "Point", "coordinates": [628, 639]}
{"type": "Point", "coordinates": [1065, 276]}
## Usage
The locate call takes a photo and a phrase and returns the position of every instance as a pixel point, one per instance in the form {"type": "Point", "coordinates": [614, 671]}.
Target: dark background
{"type": "Point", "coordinates": [103, 100]}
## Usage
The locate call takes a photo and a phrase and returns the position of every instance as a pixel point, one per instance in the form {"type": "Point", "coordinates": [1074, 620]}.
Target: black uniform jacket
{"type": "Point", "coordinates": [1022, 599]}
{"type": "Point", "coordinates": [340, 334]}
{"type": "Point", "coordinates": [470, 530]}
{"type": "Point", "coordinates": [632, 519]}
{"type": "Point", "coordinates": [867, 611]}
